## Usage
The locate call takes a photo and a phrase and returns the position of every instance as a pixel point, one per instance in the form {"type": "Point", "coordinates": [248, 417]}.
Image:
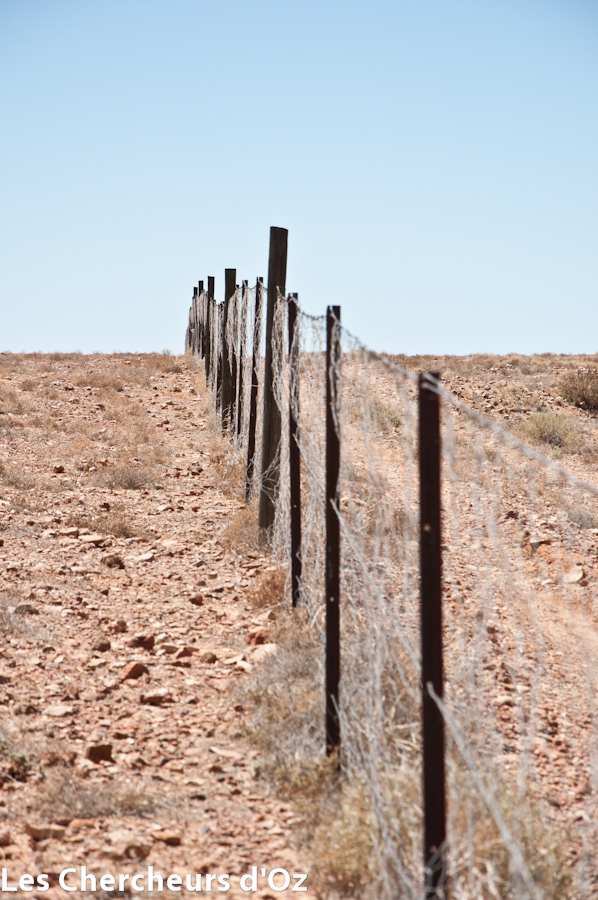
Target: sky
{"type": "Point", "coordinates": [435, 163]}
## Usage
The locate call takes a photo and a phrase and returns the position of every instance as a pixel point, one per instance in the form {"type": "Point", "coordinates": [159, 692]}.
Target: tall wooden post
{"type": "Point", "coordinates": [230, 276]}
{"type": "Point", "coordinates": [333, 536]}
{"type": "Point", "coordinates": [219, 308]}
{"type": "Point", "coordinates": [234, 357]}
{"type": "Point", "coordinates": [277, 276]}
{"type": "Point", "coordinates": [434, 791]}
{"type": "Point", "coordinates": [209, 317]}
{"type": "Point", "coordinates": [294, 454]}
{"type": "Point", "coordinates": [200, 317]}
{"type": "Point", "coordinates": [242, 352]}
{"type": "Point", "coordinates": [257, 334]}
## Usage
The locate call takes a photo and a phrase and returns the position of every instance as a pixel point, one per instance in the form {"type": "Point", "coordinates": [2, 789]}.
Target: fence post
{"type": "Point", "coordinates": [219, 307]}
{"type": "Point", "coordinates": [209, 317]}
{"type": "Point", "coordinates": [242, 351]}
{"type": "Point", "coordinates": [333, 543]}
{"type": "Point", "coordinates": [234, 353]}
{"type": "Point", "coordinates": [200, 312]}
{"type": "Point", "coordinates": [434, 790]}
{"type": "Point", "coordinates": [230, 276]}
{"type": "Point", "coordinates": [257, 331]}
{"type": "Point", "coordinates": [277, 276]}
{"type": "Point", "coordinates": [294, 455]}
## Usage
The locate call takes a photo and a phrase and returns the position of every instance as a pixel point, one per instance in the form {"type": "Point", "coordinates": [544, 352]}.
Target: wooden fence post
{"type": "Point", "coordinates": [333, 537]}
{"type": "Point", "coordinates": [209, 336]}
{"type": "Point", "coordinates": [219, 308]}
{"type": "Point", "coordinates": [257, 332]}
{"type": "Point", "coordinates": [294, 455]}
{"type": "Point", "coordinates": [434, 790]}
{"type": "Point", "coordinates": [242, 351]}
{"type": "Point", "coordinates": [230, 276]}
{"type": "Point", "coordinates": [200, 316]}
{"type": "Point", "coordinates": [277, 275]}
{"type": "Point", "coordinates": [234, 354]}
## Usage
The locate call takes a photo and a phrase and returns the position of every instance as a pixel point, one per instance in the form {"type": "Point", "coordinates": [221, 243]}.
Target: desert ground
{"type": "Point", "coordinates": [138, 608]}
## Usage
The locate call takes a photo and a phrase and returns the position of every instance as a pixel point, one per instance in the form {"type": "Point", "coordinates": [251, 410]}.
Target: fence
{"type": "Point", "coordinates": [504, 576]}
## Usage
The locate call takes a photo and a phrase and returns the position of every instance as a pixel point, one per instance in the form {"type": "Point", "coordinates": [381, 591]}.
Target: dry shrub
{"type": "Point", "coordinates": [553, 429]}
{"type": "Point", "coordinates": [28, 384]}
{"type": "Point", "coordinates": [270, 589]}
{"type": "Point", "coordinates": [124, 477]}
{"type": "Point", "coordinates": [164, 362]}
{"type": "Point", "coordinates": [342, 843]}
{"type": "Point", "coordinates": [242, 533]}
{"type": "Point", "coordinates": [66, 796]}
{"type": "Point", "coordinates": [581, 389]}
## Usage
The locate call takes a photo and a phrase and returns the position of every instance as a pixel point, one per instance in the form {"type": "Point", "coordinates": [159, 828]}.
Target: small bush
{"type": "Point", "coordinates": [553, 429]}
{"type": "Point", "coordinates": [581, 388]}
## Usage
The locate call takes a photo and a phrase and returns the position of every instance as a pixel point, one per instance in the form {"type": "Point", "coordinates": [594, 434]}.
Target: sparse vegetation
{"type": "Point", "coordinates": [553, 429]}
{"type": "Point", "coordinates": [581, 389]}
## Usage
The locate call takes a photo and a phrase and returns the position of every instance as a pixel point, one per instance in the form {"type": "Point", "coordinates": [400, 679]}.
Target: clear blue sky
{"type": "Point", "coordinates": [436, 164]}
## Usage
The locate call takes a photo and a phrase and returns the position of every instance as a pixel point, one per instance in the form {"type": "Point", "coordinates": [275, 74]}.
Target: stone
{"type": "Point", "coordinates": [26, 609]}
{"type": "Point", "coordinates": [146, 557]}
{"type": "Point", "coordinates": [257, 636]}
{"type": "Point", "coordinates": [95, 539]}
{"type": "Point", "coordinates": [184, 652]}
{"type": "Point", "coordinates": [134, 670]}
{"type": "Point", "coordinates": [99, 752]}
{"type": "Point", "coordinates": [208, 657]}
{"type": "Point", "coordinates": [146, 641]}
{"type": "Point", "coordinates": [101, 646]}
{"type": "Point", "coordinates": [59, 711]}
{"type": "Point", "coordinates": [44, 832]}
{"type": "Point", "coordinates": [157, 698]}
{"type": "Point", "coordinates": [113, 561]}
{"type": "Point", "coordinates": [71, 532]}
{"type": "Point", "coordinates": [119, 627]}
{"type": "Point", "coordinates": [574, 575]}
{"type": "Point", "coordinates": [58, 470]}
{"type": "Point", "coordinates": [5, 837]}
{"type": "Point", "coordinates": [196, 600]}
{"type": "Point", "coordinates": [172, 838]}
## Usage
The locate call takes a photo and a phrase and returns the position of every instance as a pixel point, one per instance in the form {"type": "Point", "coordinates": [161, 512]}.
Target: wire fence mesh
{"type": "Point", "coordinates": [520, 539]}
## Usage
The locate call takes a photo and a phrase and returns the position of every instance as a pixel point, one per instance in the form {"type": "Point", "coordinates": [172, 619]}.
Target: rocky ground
{"type": "Point", "coordinates": [126, 630]}
{"type": "Point", "coordinates": [135, 610]}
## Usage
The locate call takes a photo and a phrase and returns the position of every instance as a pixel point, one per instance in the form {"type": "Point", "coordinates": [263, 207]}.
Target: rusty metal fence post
{"type": "Point", "coordinates": [294, 454]}
{"type": "Point", "coordinates": [333, 537]}
{"type": "Point", "coordinates": [434, 790]}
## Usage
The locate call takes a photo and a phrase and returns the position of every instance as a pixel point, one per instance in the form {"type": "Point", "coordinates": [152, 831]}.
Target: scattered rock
{"type": "Point", "coordinates": [101, 646]}
{"type": "Point", "coordinates": [58, 470]}
{"type": "Point", "coordinates": [113, 561]}
{"type": "Point", "coordinates": [208, 657]}
{"type": "Point", "coordinates": [5, 837]}
{"type": "Point", "coordinates": [119, 627]}
{"type": "Point", "coordinates": [95, 539]}
{"type": "Point", "coordinates": [99, 752]}
{"type": "Point", "coordinates": [71, 532]}
{"type": "Point", "coordinates": [159, 697]}
{"type": "Point", "coordinates": [196, 600]}
{"type": "Point", "coordinates": [184, 652]}
{"type": "Point", "coordinates": [134, 670]}
{"type": "Point", "coordinates": [59, 711]}
{"type": "Point", "coordinates": [172, 838]}
{"type": "Point", "coordinates": [45, 832]}
{"type": "Point", "coordinates": [146, 641]}
{"type": "Point", "coordinates": [26, 609]}
{"type": "Point", "coordinates": [257, 636]}
{"type": "Point", "coordinates": [574, 575]}
{"type": "Point", "coordinates": [146, 557]}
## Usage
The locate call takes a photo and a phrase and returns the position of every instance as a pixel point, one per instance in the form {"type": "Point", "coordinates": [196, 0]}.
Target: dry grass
{"type": "Point", "coordinates": [581, 389]}
{"type": "Point", "coordinates": [242, 533]}
{"type": "Point", "coordinates": [553, 429]}
{"type": "Point", "coordinates": [270, 588]}
{"type": "Point", "coordinates": [67, 796]}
